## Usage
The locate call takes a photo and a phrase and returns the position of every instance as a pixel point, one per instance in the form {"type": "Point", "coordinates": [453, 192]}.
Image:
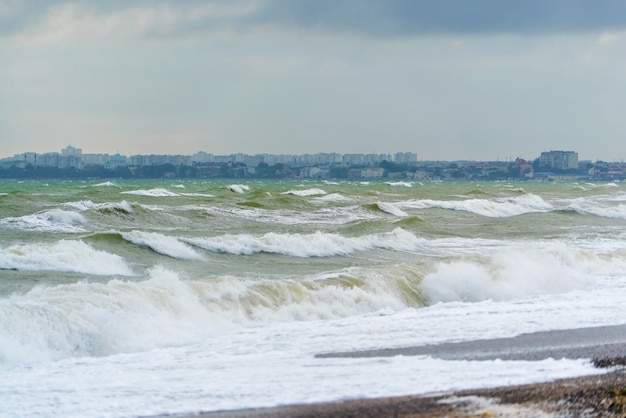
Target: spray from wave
{"type": "Point", "coordinates": [509, 274]}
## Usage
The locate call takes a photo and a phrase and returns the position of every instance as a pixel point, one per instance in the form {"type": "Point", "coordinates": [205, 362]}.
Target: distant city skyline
{"type": "Point", "coordinates": [447, 79]}
{"type": "Point", "coordinates": [393, 156]}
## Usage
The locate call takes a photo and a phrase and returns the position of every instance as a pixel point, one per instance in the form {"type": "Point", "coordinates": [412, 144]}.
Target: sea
{"type": "Point", "coordinates": [128, 298]}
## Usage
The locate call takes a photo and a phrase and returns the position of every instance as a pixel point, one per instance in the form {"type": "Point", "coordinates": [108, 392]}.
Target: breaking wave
{"type": "Point", "coordinates": [95, 319]}
{"type": "Point", "coordinates": [400, 184]}
{"type": "Point", "coordinates": [496, 208]}
{"type": "Point", "coordinates": [165, 310]}
{"type": "Point", "coordinates": [319, 244]}
{"type": "Point", "coordinates": [83, 205]}
{"type": "Point", "coordinates": [586, 207]}
{"type": "Point", "coordinates": [509, 274]}
{"type": "Point", "coordinates": [63, 256]}
{"type": "Point", "coordinates": [306, 192]}
{"type": "Point", "coordinates": [162, 244]}
{"type": "Point", "coordinates": [239, 188]}
{"type": "Point", "coordinates": [157, 192]}
{"type": "Point", "coordinates": [391, 209]}
{"type": "Point", "coordinates": [105, 184]}
{"type": "Point", "coordinates": [54, 220]}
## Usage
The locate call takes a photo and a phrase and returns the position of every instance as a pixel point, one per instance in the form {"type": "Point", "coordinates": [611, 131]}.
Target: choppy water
{"type": "Point", "coordinates": [135, 298]}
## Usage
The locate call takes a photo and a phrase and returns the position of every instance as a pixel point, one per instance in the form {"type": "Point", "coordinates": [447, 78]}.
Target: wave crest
{"type": "Point", "coordinates": [162, 244]}
{"type": "Point", "coordinates": [65, 255]}
{"type": "Point", "coordinates": [319, 244]}
{"type": "Point", "coordinates": [496, 208]}
{"type": "Point", "coordinates": [54, 220]}
{"type": "Point", "coordinates": [507, 275]}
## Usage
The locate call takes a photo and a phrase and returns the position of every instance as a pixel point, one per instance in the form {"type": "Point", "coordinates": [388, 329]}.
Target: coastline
{"type": "Point", "coordinates": [602, 395]}
{"type": "Point", "coordinates": [597, 395]}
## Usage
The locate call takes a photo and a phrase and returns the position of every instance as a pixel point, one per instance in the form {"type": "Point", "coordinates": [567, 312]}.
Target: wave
{"type": "Point", "coordinates": [96, 319]}
{"type": "Point", "coordinates": [84, 205]}
{"type": "Point", "coordinates": [400, 184]}
{"type": "Point", "coordinates": [197, 195]}
{"type": "Point", "coordinates": [391, 209]}
{"type": "Point", "coordinates": [239, 188]}
{"type": "Point", "coordinates": [319, 244]}
{"type": "Point", "coordinates": [495, 208]}
{"type": "Point", "coordinates": [509, 274]}
{"type": "Point", "coordinates": [333, 197]}
{"type": "Point", "coordinates": [162, 244]}
{"type": "Point", "coordinates": [156, 192]}
{"type": "Point", "coordinates": [54, 220]}
{"type": "Point", "coordinates": [585, 207]}
{"type": "Point", "coordinates": [63, 256]}
{"type": "Point", "coordinates": [105, 184]}
{"type": "Point", "coordinates": [305, 192]}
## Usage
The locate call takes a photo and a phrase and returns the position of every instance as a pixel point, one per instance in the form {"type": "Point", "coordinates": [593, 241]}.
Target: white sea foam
{"type": "Point", "coordinates": [239, 188]}
{"type": "Point", "coordinates": [162, 244]}
{"type": "Point", "coordinates": [592, 207]}
{"type": "Point", "coordinates": [319, 244]}
{"type": "Point", "coordinates": [400, 183]}
{"type": "Point", "coordinates": [64, 255]}
{"type": "Point", "coordinates": [179, 186]}
{"type": "Point", "coordinates": [333, 197]}
{"type": "Point", "coordinates": [391, 209]}
{"type": "Point", "coordinates": [305, 192]}
{"type": "Point", "coordinates": [326, 216]}
{"type": "Point", "coordinates": [83, 205]}
{"type": "Point", "coordinates": [497, 208]}
{"type": "Point", "coordinates": [156, 192]}
{"type": "Point", "coordinates": [197, 195]}
{"type": "Point", "coordinates": [54, 220]}
{"type": "Point", "coordinates": [620, 197]}
{"type": "Point", "coordinates": [509, 274]}
{"type": "Point", "coordinates": [105, 184]}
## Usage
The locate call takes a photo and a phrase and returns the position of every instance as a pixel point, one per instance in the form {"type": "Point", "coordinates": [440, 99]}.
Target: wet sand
{"type": "Point", "coordinates": [602, 395]}
{"type": "Point", "coordinates": [591, 342]}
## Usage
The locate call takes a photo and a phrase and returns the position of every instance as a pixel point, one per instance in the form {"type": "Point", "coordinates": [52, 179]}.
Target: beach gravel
{"type": "Point", "coordinates": [601, 395]}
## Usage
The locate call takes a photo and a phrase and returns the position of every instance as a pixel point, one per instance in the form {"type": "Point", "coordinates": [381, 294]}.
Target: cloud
{"type": "Point", "coordinates": [419, 17]}
{"type": "Point", "coordinates": [610, 37]}
{"type": "Point", "coordinates": [376, 18]}
{"type": "Point", "coordinates": [41, 20]}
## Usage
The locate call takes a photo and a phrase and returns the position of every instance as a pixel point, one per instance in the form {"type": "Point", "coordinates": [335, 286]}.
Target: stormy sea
{"type": "Point", "coordinates": [145, 298]}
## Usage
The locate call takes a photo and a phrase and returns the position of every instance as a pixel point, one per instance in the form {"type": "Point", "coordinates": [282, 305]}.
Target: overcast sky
{"type": "Point", "coordinates": [446, 79]}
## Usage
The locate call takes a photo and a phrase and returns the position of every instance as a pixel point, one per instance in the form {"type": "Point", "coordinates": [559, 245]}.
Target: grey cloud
{"type": "Point", "coordinates": [419, 17]}
{"type": "Point", "coordinates": [363, 17]}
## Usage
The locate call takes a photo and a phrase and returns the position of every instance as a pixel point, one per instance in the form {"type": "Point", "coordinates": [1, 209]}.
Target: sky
{"type": "Point", "coordinates": [445, 79]}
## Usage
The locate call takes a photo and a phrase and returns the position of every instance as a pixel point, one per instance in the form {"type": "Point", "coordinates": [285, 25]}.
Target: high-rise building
{"type": "Point", "coordinates": [562, 160]}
